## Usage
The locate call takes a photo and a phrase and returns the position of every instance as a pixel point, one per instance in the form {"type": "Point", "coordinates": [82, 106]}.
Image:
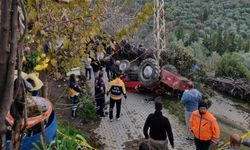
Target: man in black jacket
{"type": "Point", "coordinates": [158, 125]}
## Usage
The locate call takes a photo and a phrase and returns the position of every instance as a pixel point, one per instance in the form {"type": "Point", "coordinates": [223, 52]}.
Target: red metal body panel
{"type": "Point", "coordinates": [167, 82]}
{"type": "Point", "coordinates": [131, 86]}
{"type": "Point", "coordinates": [173, 80]}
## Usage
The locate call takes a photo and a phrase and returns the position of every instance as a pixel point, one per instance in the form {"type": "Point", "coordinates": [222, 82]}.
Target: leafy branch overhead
{"type": "Point", "coordinates": [64, 32]}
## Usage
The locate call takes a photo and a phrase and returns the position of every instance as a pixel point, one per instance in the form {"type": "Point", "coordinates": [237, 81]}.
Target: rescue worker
{"type": "Point", "coordinates": [116, 89]}
{"type": "Point", "coordinates": [160, 129]}
{"type": "Point", "coordinates": [204, 127]}
{"type": "Point", "coordinates": [100, 94]}
{"type": "Point", "coordinates": [73, 91]}
{"type": "Point", "coordinates": [190, 99]}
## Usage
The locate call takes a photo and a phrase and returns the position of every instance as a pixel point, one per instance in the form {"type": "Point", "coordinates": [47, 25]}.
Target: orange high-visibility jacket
{"type": "Point", "coordinates": [204, 127]}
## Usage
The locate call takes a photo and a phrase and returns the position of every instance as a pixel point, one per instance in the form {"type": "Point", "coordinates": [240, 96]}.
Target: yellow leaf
{"type": "Point", "coordinates": [41, 67]}
{"type": "Point", "coordinates": [67, 43]}
{"type": "Point", "coordinates": [46, 60]}
{"type": "Point", "coordinates": [38, 59]}
{"type": "Point", "coordinates": [36, 27]}
{"type": "Point", "coordinates": [32, 15]}
{"type": "Point", "coordinates": [53, 62]}
{"type": "Point", "coordinates": [43, 55]}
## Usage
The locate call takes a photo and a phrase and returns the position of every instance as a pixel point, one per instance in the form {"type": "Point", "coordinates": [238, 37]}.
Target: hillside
{"type": "Point", "coordinates": [208, 17]}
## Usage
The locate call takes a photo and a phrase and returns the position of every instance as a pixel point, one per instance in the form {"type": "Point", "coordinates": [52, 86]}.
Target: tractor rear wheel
{"type": "Point", "coordinates": [170, 68]}
{"type": "Point", "coordinates": [149, 71]}
{"type": "Point", "coordinates": [124, 65]}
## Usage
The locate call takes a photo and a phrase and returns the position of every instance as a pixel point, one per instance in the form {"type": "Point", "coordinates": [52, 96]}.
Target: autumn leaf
{"type": "Point", "coordinates": [32, 15]}
{"type": "Point", "coordinates": [41, 67]}
{"type": "Point", "coordinates": [36, 27]}
{"type": "Point", "coordinates": [53, 62]}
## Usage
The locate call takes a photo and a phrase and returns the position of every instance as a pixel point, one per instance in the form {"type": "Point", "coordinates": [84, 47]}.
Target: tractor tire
{"type": "Point", "coordinates": [170, 68]}
{"type": "Point", "coordinates": [132, 73]}
{"type": "Point", "coordinates": [124, 65]}
{"type": "Point", "coordinates": [149, 71]}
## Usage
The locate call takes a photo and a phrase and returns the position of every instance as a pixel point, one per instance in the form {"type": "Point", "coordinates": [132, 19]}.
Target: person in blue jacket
{"type": "Point", "coordinates": [190, 99]}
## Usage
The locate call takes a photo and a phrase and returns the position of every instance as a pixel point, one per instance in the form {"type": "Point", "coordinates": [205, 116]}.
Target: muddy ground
{"type": "Point", "coordinates": [57, 95]}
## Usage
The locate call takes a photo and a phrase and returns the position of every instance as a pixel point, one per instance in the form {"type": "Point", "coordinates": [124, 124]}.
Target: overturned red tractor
{"type": "Point", "coordinates": [149, 77]}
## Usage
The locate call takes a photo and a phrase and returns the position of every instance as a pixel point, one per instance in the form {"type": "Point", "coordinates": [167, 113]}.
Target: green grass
{"type": "Point", "coordinates": [68, 130]}
{"type": "Point", "coordinates": [173, 105]}
{"type": "Point", "coordinates": [65, 139]}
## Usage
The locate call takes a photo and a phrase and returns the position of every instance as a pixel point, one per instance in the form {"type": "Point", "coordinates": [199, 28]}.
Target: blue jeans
{"type": "Point", "coordinates": [190, 135]}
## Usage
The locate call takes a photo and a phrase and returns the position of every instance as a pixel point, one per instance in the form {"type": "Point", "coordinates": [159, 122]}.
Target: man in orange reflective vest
{"type": "Point", "coordinates": [204, 127]}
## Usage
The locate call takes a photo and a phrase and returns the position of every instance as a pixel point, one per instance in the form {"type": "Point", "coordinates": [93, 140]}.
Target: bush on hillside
{"type": "Point", "coordinates": [231, 66]}
{"type": "Point", "coordinates": [212, 62]}
{"type": "Point", "coordinates": [180, 57]}
{"type": "Point", "coordinates": [246, 58]}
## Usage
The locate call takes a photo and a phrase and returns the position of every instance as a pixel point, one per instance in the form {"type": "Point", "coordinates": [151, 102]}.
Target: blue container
{"type": "Point", "coordinates": [50, 132]}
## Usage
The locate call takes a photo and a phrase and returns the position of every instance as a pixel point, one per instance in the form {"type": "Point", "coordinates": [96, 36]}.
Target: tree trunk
{"type": "Point", "coordinates": [19, 94]}
{"type": "Point", "coordinates": [7, 64]}
{"type": "Point", "coordinates": [8, 48]}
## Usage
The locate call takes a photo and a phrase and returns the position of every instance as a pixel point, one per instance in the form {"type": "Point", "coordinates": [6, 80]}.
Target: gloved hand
{"type": "Point", "coordinates": [107, 93]}
{"type": "Point", "coordinates": [125, 96]}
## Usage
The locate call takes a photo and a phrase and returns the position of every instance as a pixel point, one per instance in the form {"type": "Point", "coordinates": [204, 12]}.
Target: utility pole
{"type": "Point", "coordinates": [159, 28]}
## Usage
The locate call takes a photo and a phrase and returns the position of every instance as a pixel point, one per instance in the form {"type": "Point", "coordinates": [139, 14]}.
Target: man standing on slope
{"type": "Point", "coordinates": [158, 125]}
{"type": "Point", "coordinates": [190, 99]}
{"type": "Point", "coordinates": [204, 127]}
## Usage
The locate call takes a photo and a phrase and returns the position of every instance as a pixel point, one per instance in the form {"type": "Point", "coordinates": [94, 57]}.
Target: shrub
{"type": "Point", "coordinates": [212, 62]}
{"type": "Point", "coordinates": [231, 66]}
{"type": "Point", "coordinates": [30, 61]}
{"type": "Point", "coordinates": [180, 57]}
{"type": "Point", "coordinates": [88, 110]}
{"type": "Point", "coordinates": [68, 138]}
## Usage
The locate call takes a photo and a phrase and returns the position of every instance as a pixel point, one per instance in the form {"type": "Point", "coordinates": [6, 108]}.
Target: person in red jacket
{"type": "Point", "coordinates": [204, 127]}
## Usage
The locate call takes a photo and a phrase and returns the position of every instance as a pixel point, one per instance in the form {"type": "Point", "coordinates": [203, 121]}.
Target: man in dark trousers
{"type": "Point", "coordinates": [160, 129]}
{"type": "Point", "coordinates": [204, 127]}
{"type": "Point", "coordinates": [116, 90]}
{"type": "Point", "coordinates": [100, 94]}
